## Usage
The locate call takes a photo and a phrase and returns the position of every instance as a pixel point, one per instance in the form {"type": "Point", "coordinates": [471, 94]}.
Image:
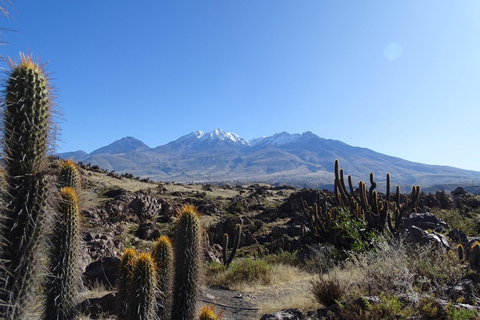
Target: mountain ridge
{"type": "Point", "coordinates": [299, 159]}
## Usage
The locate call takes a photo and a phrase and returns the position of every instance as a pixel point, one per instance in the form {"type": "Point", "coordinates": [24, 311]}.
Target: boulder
{"type": "Point", "coordinates": [99, 245]}
{"type": "Point", "coordinates": [279, 231]}
{"type": "Point", "coordinates": [426, 221]}
{"type": "Point", "coordinates": [145, 206]}
{"type": "Point", "coordinates": [103, 271]}
{"type": "Point", "coordinates": [458, 236]}
{"type": "Point", "coordinates": [147, 231]}
{"type": "Point", "coordinates": [96, 307]}
{"type": "Point", "coordinates": [415, 235]}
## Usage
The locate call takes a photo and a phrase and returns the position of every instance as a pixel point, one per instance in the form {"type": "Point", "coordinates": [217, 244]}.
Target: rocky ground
{"type": "Point", "coordinates": [120, 211]}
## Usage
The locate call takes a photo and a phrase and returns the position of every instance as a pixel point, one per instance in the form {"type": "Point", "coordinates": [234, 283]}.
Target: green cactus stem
{"type": "Point", "coordinates": [69, 174]}
{"type": "Point", "coordinates": [125, 276]}
{"type": "Point", "coordinates": [187, 258]}
{"type": "Point", "coordinates": [63, 278]}
{"type": "Point", "coordinates": [475, 255]}
{"type": "Point", "coordinates": [162, 253]}
{"type": "Point", "coordinates": [460, 251]}
{"type": "Point", "coordinates": [27, 113]}
{"type": "Point", "coordinates": [143, 287]}
{"type": "Point", "coordinates": [236, 243]}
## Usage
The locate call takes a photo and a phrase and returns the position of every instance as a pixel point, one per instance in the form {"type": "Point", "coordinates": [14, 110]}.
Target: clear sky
{"type": "Point", "coordinates": [401, 77]}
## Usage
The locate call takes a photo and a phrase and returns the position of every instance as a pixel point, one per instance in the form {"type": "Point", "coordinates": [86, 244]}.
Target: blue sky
{"type": "Point", "coordinates": [400, 77]}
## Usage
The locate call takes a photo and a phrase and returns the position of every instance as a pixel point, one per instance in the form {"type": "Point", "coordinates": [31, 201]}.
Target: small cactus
{"type": "Point", "coordinates": [460, 252]}
{"type": "Point", "coordinates": [208, 313]}
{"type": "Point", "coordinates": [187, 258]}
{"type": "Point", "coordinates": [143, 287]}
{"type": "Point", "coordinates": [63, 277]}
{"type": "Point", "coordinates": [475, 255]}
{"type": "Point", "coordinates": [162, 254]}
{"type": "Point", "coordinates": [27, 113]}
{"type": "Point", "coordinates": [124, 281]}
{"type": "Point", "coordinates": [69, 175]}
{"type": "Point", "coordinates": [236, 243]}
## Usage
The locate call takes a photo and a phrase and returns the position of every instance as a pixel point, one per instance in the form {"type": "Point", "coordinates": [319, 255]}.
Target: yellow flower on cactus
{"type": "Point", "coordinates": [208, 313]}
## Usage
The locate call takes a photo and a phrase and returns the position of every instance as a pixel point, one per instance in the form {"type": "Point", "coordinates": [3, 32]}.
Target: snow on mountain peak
{"type": "Point", "coordinates": [219, 134]}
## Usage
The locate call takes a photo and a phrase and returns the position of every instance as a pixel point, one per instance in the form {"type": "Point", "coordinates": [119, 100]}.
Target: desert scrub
{"type": "Point", "coordinates": [409, 271]}
{"type": "Point", "coordinates": [456, 219]}
{"type": "Point", "coordinates": [247, 271]}
{"type": "Point", "coordinates": [284, 257]}
{"type": "Point", "coordinates": [245, 274]}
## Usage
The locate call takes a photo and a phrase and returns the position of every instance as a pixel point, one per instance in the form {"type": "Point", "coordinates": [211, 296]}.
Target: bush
{"type": "Point", "coordinates": [327, 290]}
{"type": "Point", "coordinates": [243, 272]}
{"type": "Point", "coordinates": [284, 257]}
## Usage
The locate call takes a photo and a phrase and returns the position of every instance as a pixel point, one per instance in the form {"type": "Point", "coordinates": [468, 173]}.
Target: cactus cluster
{"type": "Point", "coordinates": [145, 279]}
{"type": "Point", "coordinates": [361, 204]}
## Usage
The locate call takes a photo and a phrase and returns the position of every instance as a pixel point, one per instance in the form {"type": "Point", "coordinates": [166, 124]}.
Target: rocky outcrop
{"type": "Point", "coordinates": [103, 271]}
{"type": "Point", "coordinates": [147, 231]}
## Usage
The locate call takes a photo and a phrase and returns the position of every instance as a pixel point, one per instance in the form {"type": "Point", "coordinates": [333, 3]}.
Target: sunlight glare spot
{"type": "Point", "coordinates": [393, 51]}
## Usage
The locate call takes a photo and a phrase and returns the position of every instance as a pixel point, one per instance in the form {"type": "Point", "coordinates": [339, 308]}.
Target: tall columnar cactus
{"type": "Point", "coordinates": [69, 175]}
{"type": "Point", "coordinates": [124, 280]}
{"type": "Point", "coordinates": [187, 263]}
{"type": "Point", "coordinates": [162, 253]}
{"type": "Point", "coordinates": [63, 278]}
{"type": "Point", "coordinates": [143, 288]}
{"type": "Point", "coordinates": [27, 109]}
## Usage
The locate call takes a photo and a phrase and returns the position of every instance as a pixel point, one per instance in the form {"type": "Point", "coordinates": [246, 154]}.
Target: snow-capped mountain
{"type": "Point", "coordinates": [302, 159]}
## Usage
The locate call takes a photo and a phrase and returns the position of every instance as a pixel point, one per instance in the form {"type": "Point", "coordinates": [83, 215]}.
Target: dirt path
{"type": "Point", "coordinates": [253, 304]}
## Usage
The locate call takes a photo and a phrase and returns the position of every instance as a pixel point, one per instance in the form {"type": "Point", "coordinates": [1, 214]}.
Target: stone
{"type": "Point", "coordinates": [147, 231]}
{"type": "Point", "coordinates": [103, 271]}
{"type": "Point", "coordinates": [279, 231]}
{"type": "Point", "coordinates": [286, 314]}
{"type": "Point", "coordinates": [426, 221]}
{"type": "Point", "coordinates": [103, 306]}
{"type": "Point", "coordinates": [458, 236]}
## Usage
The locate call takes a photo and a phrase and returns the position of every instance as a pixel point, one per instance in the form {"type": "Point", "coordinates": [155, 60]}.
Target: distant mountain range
{"type": "Point", "coordinates": [297, 159]}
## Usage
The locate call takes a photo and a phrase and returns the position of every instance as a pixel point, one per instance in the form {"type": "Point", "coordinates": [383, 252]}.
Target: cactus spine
{"type": "Point", "coordinates": [124, 281]}
{"type": "Point", "coordinates": [27, 118]}
{"type": "Point", "coordinates": [143, 287]}
{"type": "Point", "coordinates": [63, 277]}
{"type": "Point", "coordinates": [162, 253]}
{"type": "Point", "coordinates": [187, 257]}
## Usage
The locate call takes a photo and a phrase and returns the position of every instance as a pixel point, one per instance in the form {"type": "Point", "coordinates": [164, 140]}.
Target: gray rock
{"type": "Point", "coordinates": [103, 306]}
{"type": "Point", "coordinates": [103, 271]}
{"type": "Point", "coordinates": [279, 231]}
{"type": "Point", "coordinates": [458, 236]}
{"type": "Point", "coordinates": [147, 231]}
{"type": "Point", "coordinates": [426, 221]}
{"type": "Point", "coordinates": [287, 314]}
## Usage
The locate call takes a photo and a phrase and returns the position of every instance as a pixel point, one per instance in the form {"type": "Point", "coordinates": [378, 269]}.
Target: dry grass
{"type": "Point", "coordinates": [252, 275]}
{"type": "Point", "coordinates": [295, 294]}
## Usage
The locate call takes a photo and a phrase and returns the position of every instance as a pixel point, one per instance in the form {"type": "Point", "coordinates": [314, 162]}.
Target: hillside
{"type": "Point", "coordinates": [121, 212]}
